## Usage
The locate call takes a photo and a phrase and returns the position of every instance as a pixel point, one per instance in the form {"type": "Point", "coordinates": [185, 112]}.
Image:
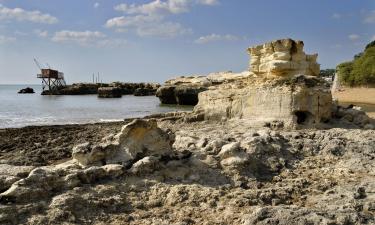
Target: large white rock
{"type": "Point", "coordinates": [136, 140]}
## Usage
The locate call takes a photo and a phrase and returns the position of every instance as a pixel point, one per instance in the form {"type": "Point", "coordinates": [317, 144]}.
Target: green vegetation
{"type": "Point", "coordinates": [360, 71]}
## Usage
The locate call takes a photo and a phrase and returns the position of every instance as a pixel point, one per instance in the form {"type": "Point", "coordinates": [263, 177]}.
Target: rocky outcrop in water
{"type": "Point", "coordinates": [109, 92]}
{"type": "Point", "coordinates": [137, 89]}
{"type": "Point", "coordinates": [27, 90]}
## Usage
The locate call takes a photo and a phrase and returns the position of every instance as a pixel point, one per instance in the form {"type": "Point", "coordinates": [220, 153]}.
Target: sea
{"type": "Point", "coordinates": [19, 110]}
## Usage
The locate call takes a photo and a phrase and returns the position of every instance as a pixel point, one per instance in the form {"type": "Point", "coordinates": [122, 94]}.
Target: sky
{"type": "Point", "coordinates": [155, 40]}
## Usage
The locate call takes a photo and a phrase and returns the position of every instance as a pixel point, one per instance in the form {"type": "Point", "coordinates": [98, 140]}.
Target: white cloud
{"type": "Point", "coordinates": [209, 2]}
{"type": "Point", "coordinates": [215, 37]}
{"type": "Point", "coordinates": [87, 38]}
{"type": "Point", "coordinates": [354, 37]}
{"type": "Point", "coordinates": [5, 39]}
{"type": "Point", "coordinates": [163, 7]}
{"type": "Point", "coordinates": [24, 15]}
{"type": "Point", "coordinates": [149, 19]}
{"type": "Point", "coordinates": [132, 21]}
{"type": "Point", "coordinates": [336, 16]}
{"type": "Point", "coordinates": [148, 26]}
{"type": "Point", "coordinates": [96, 5]}
{"type": "Point", "coordinates": [80, 37]}
{"type": "Point", "coordinates": [41, 33]}
{"type": "Point", "coordinates": [370, 17]}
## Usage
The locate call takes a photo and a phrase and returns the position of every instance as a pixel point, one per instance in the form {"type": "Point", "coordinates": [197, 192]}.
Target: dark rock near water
{"type": "Point", "coordinates": [166, 95]}
{"type": "Point", "coordinates": [27, 90]}
{"type": "Point", "coordinates": [109, 92]}
{"type": "Point", "coordinates": [182, 95]}
{"type": "Point", "coordinates": [137, 89]}
{"type": "Point", "coordinates": [144, 92]}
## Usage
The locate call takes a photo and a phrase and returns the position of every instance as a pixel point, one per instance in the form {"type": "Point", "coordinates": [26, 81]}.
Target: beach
{"type": "Point", "coordinates": [363, 97]}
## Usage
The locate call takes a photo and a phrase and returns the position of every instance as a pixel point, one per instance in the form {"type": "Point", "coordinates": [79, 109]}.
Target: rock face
{"type": "Point", "coordinates": [184, 90]}
{"type": "Point", "coordinates": [27, 90]}
{"type": "Point", "coordinates": [283, 57]}
{"type": "Point", "coordinates": [109, 92]}
{"type": "Point", "coordinates": [284, 88]}
{"type": "Point", "coordinates": [136, 140]}
{"type": "Point", "coordinates": [303, 100]}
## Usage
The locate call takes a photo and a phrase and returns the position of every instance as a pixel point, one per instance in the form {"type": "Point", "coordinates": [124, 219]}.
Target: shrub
{"type": "Point", "coordinates": [360, 71]}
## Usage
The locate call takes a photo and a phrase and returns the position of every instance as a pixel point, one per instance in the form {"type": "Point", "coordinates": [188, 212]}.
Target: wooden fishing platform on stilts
{"type": "Point", "coordinates": [52, 80]}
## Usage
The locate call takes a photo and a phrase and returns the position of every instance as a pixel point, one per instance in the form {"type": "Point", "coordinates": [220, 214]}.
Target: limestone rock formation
{"type": "Point", "coordinates": [302, 100]}
{"type": "Point", "coordinates": [283, 57]}
{"type": "Point", "coordinates": [136, 140]}
{"type": "Point", "coordinates": [283, 90]}
{"type": "Point", "coordinates": [184, 90]}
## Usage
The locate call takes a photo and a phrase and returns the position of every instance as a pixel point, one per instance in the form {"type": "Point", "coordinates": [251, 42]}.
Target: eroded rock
{"type": "Point", "coordinates": [136, 140]}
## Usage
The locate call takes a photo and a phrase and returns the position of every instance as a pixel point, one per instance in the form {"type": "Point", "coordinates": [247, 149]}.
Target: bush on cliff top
{"type": "Point", "coordinates": [360, 71]}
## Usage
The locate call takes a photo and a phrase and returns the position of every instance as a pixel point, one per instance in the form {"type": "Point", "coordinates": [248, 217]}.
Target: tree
{"type": "Point", "coordinates": [360, 71]}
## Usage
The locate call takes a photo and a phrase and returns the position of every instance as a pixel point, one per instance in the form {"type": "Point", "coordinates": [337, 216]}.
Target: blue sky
{"type": "Point", "coordinates": [155, 40]}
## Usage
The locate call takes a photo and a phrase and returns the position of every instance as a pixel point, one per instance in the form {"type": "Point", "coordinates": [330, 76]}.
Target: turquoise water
{"type": "Point", "coordinates": [18, 110]}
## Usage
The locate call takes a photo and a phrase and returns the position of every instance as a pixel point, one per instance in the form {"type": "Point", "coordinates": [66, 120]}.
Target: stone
{"type": "Point", "coordinates": [27, 90]}
{"type": "Point", "coordinates": [136, 140]}
{"type": "Point", "coordinates": [109, 92]}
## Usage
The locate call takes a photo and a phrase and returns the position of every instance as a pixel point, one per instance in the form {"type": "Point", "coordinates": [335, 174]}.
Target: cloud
{"type": "Point", "coordinates": [149, 19]}
{"type": "Point", "coordinates": [41, 33]}
{"type": "Point", "coordinates": [87, 38]}
{"type": "Point", "coordinates": [81, 37]}
{"type": "Point", "coordinates": [370, 17]}
{"type": "Point", "coordinates": [19, 14]}
{"type": "Point", "coordinates": [215, 38]}
{"type": "Point", "coordinates": [132, 21]}
{"type": "Point", "coordinates": [163, 7]}
{"type": "Point", "coordinates": [5, 39]}
{"type": "Point", "coordinates": [354, 37]}
{"type": "Point", "coordinates": [96, 5]}
{"type": "Point", "coordinates": [336, 16]}
{"type": "Point", "coordinates": [148, 26]}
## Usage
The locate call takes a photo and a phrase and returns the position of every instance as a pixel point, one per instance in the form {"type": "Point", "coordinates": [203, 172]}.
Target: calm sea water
{"type": "Point", "coordinates": [18, 110]}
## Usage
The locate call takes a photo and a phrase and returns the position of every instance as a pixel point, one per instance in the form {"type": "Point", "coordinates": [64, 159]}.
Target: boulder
{"type": "Point", "coordinates": [136, 140]}
{"type": "Point", "coordinates": [109, 92]}
{"type": "Point", "coordinates": [27, 90]}
{"type": "Point", "coordinates": [166, 94]}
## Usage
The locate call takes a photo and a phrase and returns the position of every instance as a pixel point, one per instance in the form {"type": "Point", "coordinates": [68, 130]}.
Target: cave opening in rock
{"type": "Point", "coordinates": [302, 116]}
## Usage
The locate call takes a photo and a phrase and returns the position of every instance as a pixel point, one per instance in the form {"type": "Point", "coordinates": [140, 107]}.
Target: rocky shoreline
{"type": "Point", "coordinates": [137, 89]}
{"type": "Point", "coordinates": [269, 147]}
